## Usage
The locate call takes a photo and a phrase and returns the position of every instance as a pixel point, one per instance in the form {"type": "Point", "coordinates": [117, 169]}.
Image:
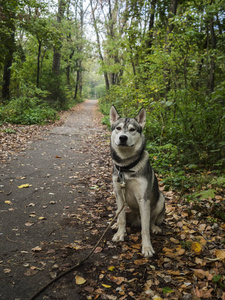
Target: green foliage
{"type": "Point", "coordinates": [27, 111]}
{"type": "Point", "coordinates": [180, 82]}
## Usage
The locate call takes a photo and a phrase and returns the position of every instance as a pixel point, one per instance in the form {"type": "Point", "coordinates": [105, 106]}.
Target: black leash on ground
{"type": "Point", "coordinates": [91, 252]}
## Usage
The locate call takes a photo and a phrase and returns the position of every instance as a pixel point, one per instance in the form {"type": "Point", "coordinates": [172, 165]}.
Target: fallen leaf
{"type": "Point", "coordinates": [36, 249]}
{"type": "Point", "coordinates": [32, 215]}
{"type": "Point", "coordinates": [196, 247]}
{"type": "Point", "coordinates": [31, 272]}
{"type": "Point", "coordinates": [117, 280]}
{"type": "Point", "coordinates": [6, 271]}
{"type": "Point", "coordinates": [8, 202]}
{"type": "Point", "coordinates": [28, 224]}
{"type": "Point", "coordinates": [199, 261]}
{"type": "Point", "coordinates": [220, 254]}
{"type": "Point", "coordinates": [167, 290]}
{"type": "Point", "coordinates": [180, 251]}
{"type": "Point", "coordinates": [111, 268]}
{"type": "Point", "coordinates": [173, 240]}
{"type": "Point", "coordinates": [200, 273]}
{"type": "Point", "coordinates": [79, 280]}
{"type": "Point", "coordinates": [26, 185]}
{"type": "Point", "coordinates": [106, 286]}
{"type": "Point", "coordinates": [98, 250]}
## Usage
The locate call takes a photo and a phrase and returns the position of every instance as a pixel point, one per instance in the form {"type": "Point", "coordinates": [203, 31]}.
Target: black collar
{"type": "Point", "coordinates": [130, 166]}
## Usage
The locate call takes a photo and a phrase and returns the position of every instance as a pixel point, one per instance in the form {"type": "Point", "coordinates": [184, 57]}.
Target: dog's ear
{"type": "Point", "coordinates": [114, 116]}
{"type": "Point", "coordinates": [141, 117]}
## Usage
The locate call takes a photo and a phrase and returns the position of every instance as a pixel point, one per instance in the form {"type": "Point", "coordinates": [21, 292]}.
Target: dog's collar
{"type": "Point", "coordinates": [129, 167]}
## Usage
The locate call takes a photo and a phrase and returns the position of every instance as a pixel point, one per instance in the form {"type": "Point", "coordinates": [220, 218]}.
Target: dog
{"type": "Point", "coordinates": [131, 166]}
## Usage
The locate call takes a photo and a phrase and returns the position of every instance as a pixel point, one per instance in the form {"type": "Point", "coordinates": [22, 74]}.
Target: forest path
{"type": "Point", "coordinates": [37, 219]}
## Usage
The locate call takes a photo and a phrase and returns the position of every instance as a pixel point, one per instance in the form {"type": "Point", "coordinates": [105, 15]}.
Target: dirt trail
{"type": "Point", "coordinates": [54, 169]}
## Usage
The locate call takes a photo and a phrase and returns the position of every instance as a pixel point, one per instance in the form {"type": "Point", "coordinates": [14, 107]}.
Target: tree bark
{"type": "Point", "coordinates": [99, 46]}
{"type": "Point", "coordinates": [57, 50]}
{"type": "Point", "coordinates": [172, 12]}
{"type": "Point", "coordinates": [38, 62]}
{"type": "Point", "coordinates": [150, 27]}
{"type": "Point", "coordinates": [7, 67]}
{"type": "Point", "coordinates": [212, 61]}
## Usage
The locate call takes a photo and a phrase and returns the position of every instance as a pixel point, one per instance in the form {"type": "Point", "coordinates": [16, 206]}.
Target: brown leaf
{"type": "Point", "coordinates": [117, 280]}
{"type": "Point", "coordinates": [98, 250]}
{"type": "Point", "coordinates": [220, 254]}
{"type": "Point", "coordinates": [31, 272]}
{"type": "Point", "coordinates": [201, 273]}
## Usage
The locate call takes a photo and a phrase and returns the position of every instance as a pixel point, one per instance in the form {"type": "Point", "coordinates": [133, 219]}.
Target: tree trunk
{"type": "Point", "coordinates": [99, 46]}
{"type": "Point", "coordinates": [212, 61]}
{"type": "Point", "coordinates": [57, 50]}
{"type": "Point", "coordinates": [172, 12]}
{"type": "Point", "coordinates": [150, 27]}
{"type": "Point", "coordinates": [7, 68]}
{"type": "Point", "coordinates": [38, 62]}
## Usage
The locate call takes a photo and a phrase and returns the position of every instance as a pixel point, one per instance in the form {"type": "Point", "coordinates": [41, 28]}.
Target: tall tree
{"type": "Point", "coordinates": [93, 9]}
{"type": "Point", "coordinates": [57, 47]}
{"type": "Point", "coordinates": [7, 34]}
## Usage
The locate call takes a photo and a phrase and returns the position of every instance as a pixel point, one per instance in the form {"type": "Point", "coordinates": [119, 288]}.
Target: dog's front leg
{"type": "Point", "coordinates": [147, 249]}
{"type": "Point", "coordinates": [121, 220]}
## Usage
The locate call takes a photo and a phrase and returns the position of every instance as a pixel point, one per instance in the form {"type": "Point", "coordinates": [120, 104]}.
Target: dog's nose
{"type": "Point", "coordinates": [123, 138]}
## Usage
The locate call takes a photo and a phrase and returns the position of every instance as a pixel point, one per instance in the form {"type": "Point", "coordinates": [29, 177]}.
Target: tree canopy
{"type": "Point", "coordinates": [167, 56]}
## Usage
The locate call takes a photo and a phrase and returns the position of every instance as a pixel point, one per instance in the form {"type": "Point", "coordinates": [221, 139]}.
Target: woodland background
{"type": "Point", "coordinates": [167, 56]}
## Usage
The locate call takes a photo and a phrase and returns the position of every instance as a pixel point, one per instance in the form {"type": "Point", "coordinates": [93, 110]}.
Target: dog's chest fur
{"type": "Point", "coordinates": [139, 183]}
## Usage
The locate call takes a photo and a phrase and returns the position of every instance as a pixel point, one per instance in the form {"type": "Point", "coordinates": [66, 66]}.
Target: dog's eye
{"type": "Point", "coordinates": [118, 128]}
{"type": "Point", "coordinates": [132, 129]}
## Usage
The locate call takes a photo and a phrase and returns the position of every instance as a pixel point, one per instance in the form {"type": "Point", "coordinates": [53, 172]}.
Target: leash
{"type": "Point", "coordinates": [123, 185]}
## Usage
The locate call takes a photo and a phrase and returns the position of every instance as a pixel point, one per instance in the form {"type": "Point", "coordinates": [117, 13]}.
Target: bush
{"type": "Point", "coordinates": [27, 111]}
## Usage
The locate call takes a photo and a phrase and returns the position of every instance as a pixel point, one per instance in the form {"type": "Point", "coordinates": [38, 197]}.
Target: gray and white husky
{"type": "Point", "coordinates": [132, 166]}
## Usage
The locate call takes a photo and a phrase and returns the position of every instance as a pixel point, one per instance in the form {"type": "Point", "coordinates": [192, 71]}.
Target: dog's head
{"type": "Point", "coordinates": [126, 132]}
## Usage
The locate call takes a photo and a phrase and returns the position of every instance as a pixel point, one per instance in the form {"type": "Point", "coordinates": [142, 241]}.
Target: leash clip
{"type": "Point", "coordinates": [120, 177]}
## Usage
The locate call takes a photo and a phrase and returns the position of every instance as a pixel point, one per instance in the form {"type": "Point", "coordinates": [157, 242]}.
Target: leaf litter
{"type": "Point", "coordinates": [190, 253]}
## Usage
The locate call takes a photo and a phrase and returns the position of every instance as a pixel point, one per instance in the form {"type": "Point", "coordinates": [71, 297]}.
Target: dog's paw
{"type": "Point", "coordinates": [115, 226]}
{"type": "Point", "coordinates": [155, 229]}
{"type": "Point", "coordinates": [148, 251]}
{"type": "Point", "coordinates": [118, 237]}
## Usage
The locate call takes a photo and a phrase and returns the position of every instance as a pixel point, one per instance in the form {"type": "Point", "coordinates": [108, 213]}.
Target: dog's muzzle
{"type": "Point", "coordinates": [123, 140]}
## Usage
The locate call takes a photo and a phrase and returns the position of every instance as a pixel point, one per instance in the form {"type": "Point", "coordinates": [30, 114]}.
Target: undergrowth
{"type": "Point", "coordinates": [190, 178]}
{"type": "Point", "coordinates": [26, 111]}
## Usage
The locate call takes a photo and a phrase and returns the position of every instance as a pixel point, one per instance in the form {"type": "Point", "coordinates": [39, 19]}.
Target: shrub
{"type": "Point", "coordinates": [26, 111]}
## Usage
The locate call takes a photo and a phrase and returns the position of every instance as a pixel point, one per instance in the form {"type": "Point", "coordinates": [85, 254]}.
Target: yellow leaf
{"type": "Point", "coordinates": [42, 218]}
{"type": "Point", "coordinates": [8, 202]}
{"type": "Point", "coordinates": [106, 286]}
{"type": "Point", "coordinates": [26, 185]}
{"type": "Point", "coordinates": [220, 254]}
{"type": "Point", "coordinates": [111, 268]}
{"type": "Point", "coordinates": [79, 280]}
{"type": "Point", "coordinates": [196, 247]}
